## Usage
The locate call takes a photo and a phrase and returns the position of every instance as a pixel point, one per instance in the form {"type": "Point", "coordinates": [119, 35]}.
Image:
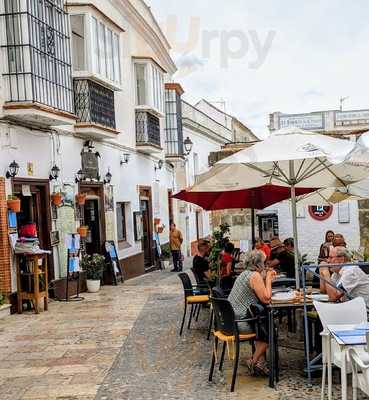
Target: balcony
{"type": "Point", "coordinates": [94, 107]}
{"type": "Point", "coordinates": [37, 64]}
{"type": "Point", "coordinates": [147, 133]}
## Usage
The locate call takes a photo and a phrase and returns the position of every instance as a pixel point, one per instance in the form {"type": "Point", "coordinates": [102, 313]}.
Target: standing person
{"type": "Point", "coordinates": [325, 247]}
{"type": "Point", "coordinates": [175, 242]}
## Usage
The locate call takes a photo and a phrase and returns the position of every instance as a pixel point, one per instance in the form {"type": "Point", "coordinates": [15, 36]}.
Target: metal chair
{"type": "Point", "coordinates": [190, 298]}
{"type": "Point", "coordinates": [227, 331]}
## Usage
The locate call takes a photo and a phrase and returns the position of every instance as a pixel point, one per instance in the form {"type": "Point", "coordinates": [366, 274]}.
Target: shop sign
{"type": "Point", "coordinates": [90, 165]}
{"type": "Point", "coordinates": [320, 213]}
{"type": "Point", "coordinates": [359, 117]}
{"type": "Point", "coordinates": [311, 121]}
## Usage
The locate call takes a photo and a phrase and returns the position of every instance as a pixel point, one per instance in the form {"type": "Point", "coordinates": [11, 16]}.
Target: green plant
{"type": "Point", "coordinates": [12, 197]}
{"type": "Point", "coordinates": [2, 299]}
{"type": "Point", "coordinates": [93, 266]}
{"type": "Point", "coordinates": [165, 251]}
{"type": "Point", "coordinates": [220, 238]}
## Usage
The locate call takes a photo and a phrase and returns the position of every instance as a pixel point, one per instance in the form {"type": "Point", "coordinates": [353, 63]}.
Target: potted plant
{"type": "Point", "coordinates": [82, 230]}
{"type": "Point", "coordinates": [165, 255]}
{"type": "Point", "coordinates": [94, 267]}
{"type": "Point", "coordinates": [219, 239]}
{"type": "Point", "coordinates": [81, 199]}
{"type": "Point", "coordinates": [57, 198]}
{"type": "Point", "coordinates": [14, 203]}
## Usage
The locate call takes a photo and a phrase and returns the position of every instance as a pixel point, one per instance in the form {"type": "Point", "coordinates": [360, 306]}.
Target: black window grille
{"type": "Point", "coordinates": [173, 125]}
{"type": "Point", "coordinates": [37, 53]}
{"type": "Point", "coordinates": [94, 103]}
{"type": "Point", "coordinates": [147, 128]}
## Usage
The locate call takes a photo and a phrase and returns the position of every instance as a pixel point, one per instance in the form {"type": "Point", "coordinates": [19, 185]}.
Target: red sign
{"type": "Point", "coordinates": [320, 213]}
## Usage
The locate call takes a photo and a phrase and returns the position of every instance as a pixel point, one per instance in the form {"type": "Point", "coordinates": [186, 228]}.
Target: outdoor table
{"type": "Point", "coordinates": [344, 346]}
{"type": "Point", "coordinates": [297, 304]}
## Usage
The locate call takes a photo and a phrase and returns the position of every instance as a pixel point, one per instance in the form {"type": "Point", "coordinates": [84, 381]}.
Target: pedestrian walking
{"type": "Point", "coordinates": [176, 240]}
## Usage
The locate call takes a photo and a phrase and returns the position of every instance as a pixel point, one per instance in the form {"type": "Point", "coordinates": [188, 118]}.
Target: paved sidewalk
{"type": "Point", "coordinates": [122, 343]}
{"type": "Point", "coordinates": [66, 352]}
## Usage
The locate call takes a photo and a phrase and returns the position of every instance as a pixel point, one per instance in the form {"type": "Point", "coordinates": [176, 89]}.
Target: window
{"type": "Point", "coordinates": [78, 42]}
{"type": "Point", "coordinates": [121, 222]}
{"type": "Point", "coordinates": [158, 88]}
{"type": "Point", "coordinates": [141, 84]}
{"type": "Point", "coordinates": [104, 48]}
{"type": "Point", "coordinates": [149, 86]}
{"type": "Point", "coordinates": [173, 123]}
{"type": "Point", "coordinates": [195, 164]}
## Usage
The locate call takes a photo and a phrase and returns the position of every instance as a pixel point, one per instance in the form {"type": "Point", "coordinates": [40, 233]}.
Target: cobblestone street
{"type": "Point", "coordinates": [123, 343]}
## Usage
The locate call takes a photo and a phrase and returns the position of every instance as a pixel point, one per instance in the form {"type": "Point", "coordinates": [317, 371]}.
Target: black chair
{"type": "Point", "coordinates": [227, 331]}
{"type": "Point", "coordinates": [191, 298]}
{"type": "Point", "coordinates": [201, 286]}
{"type": "Point", "coordinates": [218, 293]}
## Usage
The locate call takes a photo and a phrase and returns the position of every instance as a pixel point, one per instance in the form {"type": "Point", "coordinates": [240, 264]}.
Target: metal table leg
{"type": "Point", "coordinates": [271, 349]}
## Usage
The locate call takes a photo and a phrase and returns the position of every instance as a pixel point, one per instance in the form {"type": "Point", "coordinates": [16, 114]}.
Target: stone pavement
{"type": "Point", "coordinates": [123, 343]}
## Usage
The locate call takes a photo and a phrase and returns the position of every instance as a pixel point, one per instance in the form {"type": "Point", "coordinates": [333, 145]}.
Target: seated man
{"type": "Point", "coordinates": [200, 265]}
{"type": "Point", "coordinates": [351, 279]}
{"type": "Point", "coordinates": [282, 257]}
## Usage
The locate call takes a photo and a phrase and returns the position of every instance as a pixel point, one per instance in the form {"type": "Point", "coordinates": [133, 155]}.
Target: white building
{"type": "Point", "coordinates": [347, 217]}
{"type": "Point", "coordinates": [208, 129]}
{"type": "Point", "coordinates": [82, 89]}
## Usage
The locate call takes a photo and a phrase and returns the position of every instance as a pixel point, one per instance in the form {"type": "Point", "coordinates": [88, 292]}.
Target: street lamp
{"type": "Point", "coordinates": [13, 170]}
{"type": "Point", "coordinates": [108, 177]}
{"type": "Point", "coordinates": [188, 145]}
{"type": "Point", "coordinates": [124, 158]}
{"type": "Point", "coordinates": [54, 173]}
{"type": "Point", "coordinates": [80, 176]}
{"type": "Point", "coordinates": [159, 166]}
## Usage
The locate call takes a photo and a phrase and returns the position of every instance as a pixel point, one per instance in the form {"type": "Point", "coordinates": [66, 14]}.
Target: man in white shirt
{"type": "Point", "coordinates": [353, 281]}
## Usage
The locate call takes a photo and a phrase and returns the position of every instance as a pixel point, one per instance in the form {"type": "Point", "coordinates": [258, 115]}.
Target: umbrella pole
{"type": "Point", "coordinates": [294, 223]}
{"type": "Point", "coordinates": [253, 226]}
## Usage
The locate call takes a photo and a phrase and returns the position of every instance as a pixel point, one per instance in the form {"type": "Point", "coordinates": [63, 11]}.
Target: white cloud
{"type": "Point", "coordinates": [319, 54]}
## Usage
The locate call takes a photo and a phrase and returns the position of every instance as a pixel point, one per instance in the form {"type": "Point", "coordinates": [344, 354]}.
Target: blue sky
{"type": "Point", "coordinates": [318, 53]}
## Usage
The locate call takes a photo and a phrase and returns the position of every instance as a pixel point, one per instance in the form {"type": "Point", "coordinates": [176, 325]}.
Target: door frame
{"type": "Point", "coordinates": [145, 193]}
{"type": "Point", "coordinates": [45, 184]}
{"type": "Point", "coordinates": [96, 189]}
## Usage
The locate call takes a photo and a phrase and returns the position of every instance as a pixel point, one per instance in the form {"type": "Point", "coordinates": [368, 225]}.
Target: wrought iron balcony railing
{"type": "Point", "coordinates": [94, 103]}
{"type": "Point", "coordinates": [36, 59]}
{"type": "Point", "coordinates": [147, 129]}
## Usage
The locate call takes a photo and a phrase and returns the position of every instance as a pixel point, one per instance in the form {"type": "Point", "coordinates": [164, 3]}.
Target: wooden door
{"type": "Point", "coordinates": [91, 219]}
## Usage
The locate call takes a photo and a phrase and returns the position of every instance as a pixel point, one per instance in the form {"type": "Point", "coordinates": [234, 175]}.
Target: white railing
{"type": "Point", "coordinates": [192, 113]}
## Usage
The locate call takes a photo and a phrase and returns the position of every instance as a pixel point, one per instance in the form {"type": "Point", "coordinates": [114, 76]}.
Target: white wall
{"type": "Point", "coordinates": [312, 232]}
{"type": "Point", "coordinates": [25, 145]}
{"type": "Point", "coordinates": [202, 146]}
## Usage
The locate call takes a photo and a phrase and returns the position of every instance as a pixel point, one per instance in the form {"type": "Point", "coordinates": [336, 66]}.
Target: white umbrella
{"type": "Point", "coordinates": [330, 196]}
{"type": "Point", "coordinates": [291, 157]}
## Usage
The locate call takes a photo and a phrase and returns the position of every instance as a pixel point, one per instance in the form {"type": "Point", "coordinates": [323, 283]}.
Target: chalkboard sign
{"type": "Point", "coordinates": [111, 255]}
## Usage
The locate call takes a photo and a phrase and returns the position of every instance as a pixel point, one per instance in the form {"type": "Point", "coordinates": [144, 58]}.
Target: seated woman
{"type": "Point", "coordinates": [254, 287]}
{"type": "Point", "coordinates": [352, 281]}
{"type": "Point", "coordinates": [226, 268]}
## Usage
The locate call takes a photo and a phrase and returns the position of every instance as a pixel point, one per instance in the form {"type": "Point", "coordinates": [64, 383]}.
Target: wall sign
{"type": "Point", "coordinates": [352, 117]}
{"type": "Point", "coordinates": [320, 213]}
{"type": "Point", "coordinates": [304, 121]}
